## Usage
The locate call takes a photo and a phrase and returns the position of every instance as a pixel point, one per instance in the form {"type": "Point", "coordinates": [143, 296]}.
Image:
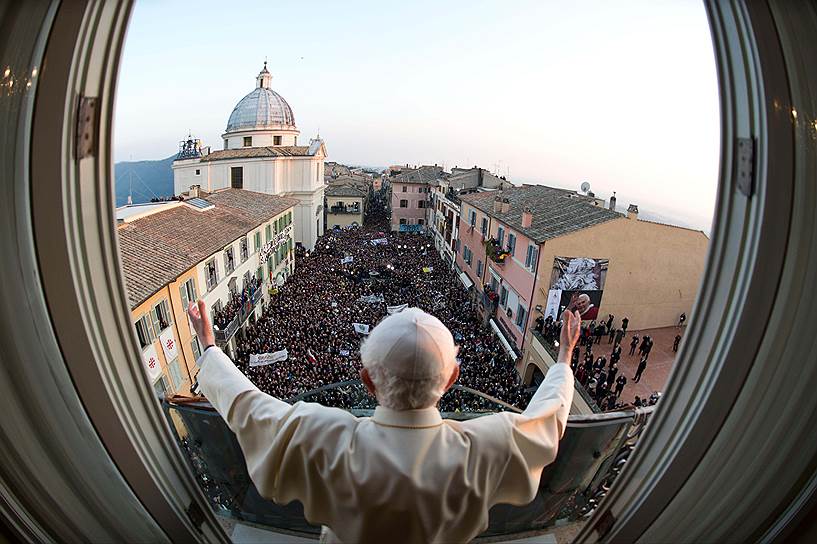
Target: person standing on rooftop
{"type": "Point", "coordinates": [404, 474]}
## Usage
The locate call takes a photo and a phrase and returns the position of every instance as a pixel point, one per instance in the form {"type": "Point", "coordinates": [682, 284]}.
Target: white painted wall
{"type": "Point", "coordinates": [261, 138]}
{"type": "Point", "coordinates": [298, 177]}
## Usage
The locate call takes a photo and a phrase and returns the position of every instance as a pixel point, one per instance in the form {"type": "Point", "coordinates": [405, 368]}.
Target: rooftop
{"type": "Point", "coordinates": [424, 175]}
{"type": "Point", "coordinates": [555, 212]}
{"type": "Point", "coordinates": [259, 152]}
{"type": "Point", "coordinates": [158, 248]}
{"type": "Point", "coordinates": [344, 190]}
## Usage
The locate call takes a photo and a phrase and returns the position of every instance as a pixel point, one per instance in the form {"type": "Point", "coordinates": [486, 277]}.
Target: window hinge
{"type": "Point", "coordinates": [195, 515]}
{"type": "Point", "coordinates": [745, 164]}
{"type": "Point", "coordinates": [87, 127]}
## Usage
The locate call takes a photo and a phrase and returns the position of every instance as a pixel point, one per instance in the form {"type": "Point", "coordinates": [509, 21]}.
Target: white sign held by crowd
{"type": "Point", "coordinates": [263, 359]}
{"type": "Point", "coordinates": [396, 309]}
{"type": "Point", "coordinates": [361, 328]}
{"type": "Point", "coordinates": [372, 299]}
{"type": "Point", "coordinates": [380, 242]}
{"type": "Point", "coordinates": [347, 260]}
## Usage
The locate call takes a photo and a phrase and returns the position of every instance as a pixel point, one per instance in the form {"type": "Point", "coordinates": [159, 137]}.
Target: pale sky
{"type": "Point", "coordinates": [620, 94]}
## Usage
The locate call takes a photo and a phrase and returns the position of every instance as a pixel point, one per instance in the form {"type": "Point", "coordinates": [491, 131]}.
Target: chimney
{"type": "Point", "coordinates": [632, 212]}
{"type": "Point", "coordinates": [497, 204]}
{"type": "Point", "coordinates": [506, 205]}
{"type": "Point", "coordinates": [613, 201]}
{"type": "Point", "coordinates": [527, 218]}
{"type": "Point", "coordinates": [194, 191]}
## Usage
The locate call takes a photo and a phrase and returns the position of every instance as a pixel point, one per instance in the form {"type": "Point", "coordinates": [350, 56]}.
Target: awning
{"type": "Point", "coordinates": [466, 281]}
{"type": "Point", "coordinates": [502, 340]}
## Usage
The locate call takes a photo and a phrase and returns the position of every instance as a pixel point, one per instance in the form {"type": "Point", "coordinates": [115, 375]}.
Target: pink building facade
{"type": "Point", "coordinates": [505, 277]}
{"type": "Point", "coordinates": [410, 204]}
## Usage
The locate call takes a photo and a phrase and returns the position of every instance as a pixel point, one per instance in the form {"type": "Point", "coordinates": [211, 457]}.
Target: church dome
{"type": "Point", "coordinates": [263, 108]}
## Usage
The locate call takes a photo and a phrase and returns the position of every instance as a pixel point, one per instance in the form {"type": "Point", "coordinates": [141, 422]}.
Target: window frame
{"type": "Point", "coordinates": [750, 236]}
{"type": "Point", "coordinates": [247, 141]}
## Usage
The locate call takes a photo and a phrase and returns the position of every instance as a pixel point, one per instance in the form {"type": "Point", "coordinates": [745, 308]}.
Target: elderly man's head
{"type": "Point", "coordinates": [409, 360]}
{"type": "Point", "coordinates": [583, 303]}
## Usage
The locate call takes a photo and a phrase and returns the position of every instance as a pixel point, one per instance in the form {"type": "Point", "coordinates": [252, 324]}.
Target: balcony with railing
{"type": "Point", "coordinates": [496, 252]}
{"type": "Point", "coordinates": [350, 209]}
{"type": "Point", "coordinates": [245, 308]}
{"type": "Point", "coordinates": [592, 453]}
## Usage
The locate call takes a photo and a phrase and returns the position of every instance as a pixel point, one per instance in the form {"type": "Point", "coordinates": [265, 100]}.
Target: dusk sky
{"type": "Point", "coordinates": [620, 94]}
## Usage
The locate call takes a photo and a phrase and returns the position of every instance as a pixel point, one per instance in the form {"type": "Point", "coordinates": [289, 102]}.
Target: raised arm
{"type": "Point", "coordinates": [277, 439]}
{"type": "Point", "coordinates": [535, 433]}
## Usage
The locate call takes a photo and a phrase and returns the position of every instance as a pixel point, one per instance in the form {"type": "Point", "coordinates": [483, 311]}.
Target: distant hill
{"type": "Point", "coordinates": [145, 179]}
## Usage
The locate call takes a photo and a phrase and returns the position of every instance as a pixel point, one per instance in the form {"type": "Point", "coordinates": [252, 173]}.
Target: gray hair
{"type": "Point", "coordinates": [399, 393]}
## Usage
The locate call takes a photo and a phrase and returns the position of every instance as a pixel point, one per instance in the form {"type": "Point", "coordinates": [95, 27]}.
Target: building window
{"type": "Point", "coordinates": [479, 267]}
{"type": "Point", "coordinates": [229, 261]}
{"type": "Point", "coordinates": [260, 272]}
{"type": "Point", "coordinates": [247, 141]}
{"type": "Point", "coordinates": [511, 243]}
{"type": "Point", "coordinates": [421, 221]}
{"type": "Point", "coordinates": [421, 203]}
{"type": "Point", "coordinates": [500, 235]}
{"type": "Point", "coordinates": [404, 203]}
{"type": "Point", "coordinates": [175, 374]}
{"type": "Point", "coordinates": [211, 274]}
{"type": "Point", "coordinates": [198, 172]}
{"type": "Point", "coordinates": [484, 226]}
{"type": "Point", "coordinates": [244, 248]}
{"type": "Point", "coordinates": [521, 313]}
{"type": "Point", "coordinates": [226, 144]}
{"type": "Point", "coordinates": [405, 188]}
{"type": "Point", "coordinates": [494, 284]}
{"type": "Point", "coordinates": [276, 140]}
{"type": "Point", "coordinates": [472, 218]}
{"type": "Point", "coordinates": [257, 240]}
{"type": "Point", "coordinates": [237, 177]}
{"type": "Point", "coordinates": [403, 221]}
{"type": "Point", "coordinates": [187, 290]}
{"type": "Point", "coordinates": [160, 386]}
{"type": "Point", "coordinates": [530, 258]}
{"type": "Point", "coordinates": [144, 331]}
{"type": "Point", "coordinates": [268, 231]}
{"type": "Point", "coordinates": [467, 254]}
{"type": "Point", "coordinates": [161, 316]}
{"type": "Point", "coordinates": [503, 296]}
{"type": "Point", "coordinates": [196, 347]}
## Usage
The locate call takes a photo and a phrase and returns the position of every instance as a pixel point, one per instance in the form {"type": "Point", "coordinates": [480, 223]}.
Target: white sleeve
{"type": "Point", "coordinates": [534, 436]}
{"type": "Point", "coordinates": [277, 439]}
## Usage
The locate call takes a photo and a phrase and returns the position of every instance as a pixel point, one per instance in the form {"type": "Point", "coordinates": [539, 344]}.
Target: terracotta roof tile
{"type": "Point", "coordinates": [555, 212]}
{"type": "Point", "coordinates": [158, 248]}
{"type": "Point", "coordinates": [258, 152]}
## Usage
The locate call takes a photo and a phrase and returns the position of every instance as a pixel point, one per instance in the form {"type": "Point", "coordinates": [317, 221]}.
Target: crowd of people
{"type": "Point", "coordinates": [223, 317]}
{"type": "Point", "coordinates": [353, 276]}
{"type": "Point", "coordinates": [599, 374]}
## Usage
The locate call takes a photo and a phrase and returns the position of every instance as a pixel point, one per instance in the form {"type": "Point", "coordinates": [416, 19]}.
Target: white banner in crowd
{"type": "Point", "coordinates": [372, 299]}
{"type": "Point", "coordinates": [347, 260]}
{"type": "Point", "coordinates": [361, 328]}
{"type": "Point", "coordinates": [263, 359]}
{"type": "Point", "coordinates": [152, 363]}
{"type": "Point", "coordinates": [396, 309]}
{"type": "Point", "coordinates": [380, 242]}
{"type": "Point", "coordinates": [169, 344]}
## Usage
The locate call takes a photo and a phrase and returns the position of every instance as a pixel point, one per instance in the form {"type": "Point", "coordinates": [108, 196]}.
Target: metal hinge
{"type": "Point", "coordinates": [195, 514]}
{"type": "Point", "coordinates": [87, 127]}
{"type": "Point", "coordinates": [745, 165]}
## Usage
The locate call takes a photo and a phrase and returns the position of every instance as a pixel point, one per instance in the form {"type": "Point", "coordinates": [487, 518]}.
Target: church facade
{"type": "Point", "coordinates": [261, 153]}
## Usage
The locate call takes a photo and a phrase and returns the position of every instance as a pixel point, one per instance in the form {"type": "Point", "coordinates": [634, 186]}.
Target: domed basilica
{"type": "Point", "coordinates": [261, 153]}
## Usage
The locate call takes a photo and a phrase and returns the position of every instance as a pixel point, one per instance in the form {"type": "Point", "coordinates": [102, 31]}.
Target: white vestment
{"type": "Point", "coordinates": [398, 476]}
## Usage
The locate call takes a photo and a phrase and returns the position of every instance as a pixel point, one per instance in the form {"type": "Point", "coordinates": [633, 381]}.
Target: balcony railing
{"type": "Point", "coordinates": [594, 450]}
{"type": "Point", "coordinates": [222, 336]}
{"type": "Point", "coordinates": [345, 209]}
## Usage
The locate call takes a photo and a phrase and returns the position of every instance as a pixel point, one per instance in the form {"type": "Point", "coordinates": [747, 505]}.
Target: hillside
{"type": "Point", "coordinates": [145, 179]}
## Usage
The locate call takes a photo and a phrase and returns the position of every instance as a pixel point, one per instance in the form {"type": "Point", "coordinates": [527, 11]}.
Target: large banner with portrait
{"type": "Point", "coordinates": [576, 283]}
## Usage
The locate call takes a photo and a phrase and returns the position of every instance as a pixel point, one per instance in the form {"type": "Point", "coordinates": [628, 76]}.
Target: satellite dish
{"type": "Point", "coordinates": [585, 186]}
